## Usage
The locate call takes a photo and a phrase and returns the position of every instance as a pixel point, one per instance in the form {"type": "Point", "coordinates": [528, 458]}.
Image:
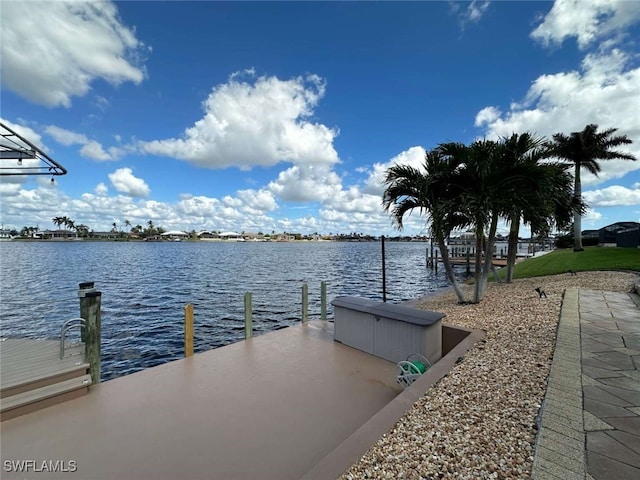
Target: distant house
{"type": "Point", "coordinates": [206, 235]}
{"type": "Point", "coordinates": [620, 234]}
{"type": "Point", "coordinates": [105, 235]}
{"type": "Point", "coordinates": [232, 236]}
{"type": "Point", "coordinates": [629, 238]}
{"type": "Point", "coordinates": [52, 234]}
{"type": "Point", "coordinates": [175, 235]}
{"type": "Point", "coordinates": [590, 234]}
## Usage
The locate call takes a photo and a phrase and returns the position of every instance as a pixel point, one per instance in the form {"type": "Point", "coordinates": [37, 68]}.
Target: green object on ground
{"type": "Point", "coordinates": [419, 365]}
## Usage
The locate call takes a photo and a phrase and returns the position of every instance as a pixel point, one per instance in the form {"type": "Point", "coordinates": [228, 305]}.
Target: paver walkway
{"type": "Point", "coordinates": [610, 327]}
{"type": "Point", "coordinates": [590, 424]}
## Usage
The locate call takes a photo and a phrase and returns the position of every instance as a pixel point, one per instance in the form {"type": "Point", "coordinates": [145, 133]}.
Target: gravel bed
{"type": "Point", "coordinates": [479, 421]}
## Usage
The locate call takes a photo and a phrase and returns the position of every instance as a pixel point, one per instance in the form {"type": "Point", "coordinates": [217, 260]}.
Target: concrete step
{"type": "Point", "coordinates": [44, 396]}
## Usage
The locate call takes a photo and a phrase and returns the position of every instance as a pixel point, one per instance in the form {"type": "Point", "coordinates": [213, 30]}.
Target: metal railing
{"type": "Point", "coordinates": [68, 325]}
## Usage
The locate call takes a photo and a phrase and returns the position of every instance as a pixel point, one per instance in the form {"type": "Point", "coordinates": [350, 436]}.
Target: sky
{"type": "Point", "coordinates": [284, 116]}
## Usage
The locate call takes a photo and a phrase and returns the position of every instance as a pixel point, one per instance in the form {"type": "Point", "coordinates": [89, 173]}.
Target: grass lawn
{"type": "Point", "coordinates": [593, 258]}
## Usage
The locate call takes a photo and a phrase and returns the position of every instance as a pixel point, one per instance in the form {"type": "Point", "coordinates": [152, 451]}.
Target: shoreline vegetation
{"type": "Point", "coordinates": [479, 421]}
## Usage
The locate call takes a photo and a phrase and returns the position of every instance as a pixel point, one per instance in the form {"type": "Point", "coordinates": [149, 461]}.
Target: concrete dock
{"type": "Point", "coordinates": [269, 407]}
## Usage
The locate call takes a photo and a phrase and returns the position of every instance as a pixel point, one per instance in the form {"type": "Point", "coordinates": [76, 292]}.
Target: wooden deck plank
{"type": "Point", "coordinates": [24, 361]}
{"type": "Point", "coordinates": [44, 392]}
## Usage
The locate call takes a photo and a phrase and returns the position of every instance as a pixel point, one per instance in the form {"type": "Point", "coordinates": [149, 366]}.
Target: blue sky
{"type": "Point", "coordinates": [284, 116]}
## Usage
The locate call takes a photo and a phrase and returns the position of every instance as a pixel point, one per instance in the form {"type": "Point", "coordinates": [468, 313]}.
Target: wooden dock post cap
{"type": "Point", "coordinates": [86, 285]}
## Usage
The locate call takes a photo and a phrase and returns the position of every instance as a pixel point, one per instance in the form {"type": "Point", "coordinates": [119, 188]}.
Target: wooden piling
{"type": "Point", "coordinates": [188, 330]}
{"type": "Point", "coordinates": [93, 334]}
{"type": "Point", "coordinates": [435, 263]}
{"type": "Point", "coordinates": [323, 300]}
{"type": "Point", "coordinates": [431, 257]}
{"type": "Point", "coordinates": [384, 273]}
{"type": "Point", "coordinates": [468, 263]}
{"type": "Point", "coordinates": [248, 313]}
{"type": "Point", "coordinates": [83, 288]}
{"type": "Point", "coordinates": [305, 303]}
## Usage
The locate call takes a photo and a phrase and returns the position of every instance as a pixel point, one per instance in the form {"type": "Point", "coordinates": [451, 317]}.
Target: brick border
{"type": "Point", "coordinates": [560, 443]}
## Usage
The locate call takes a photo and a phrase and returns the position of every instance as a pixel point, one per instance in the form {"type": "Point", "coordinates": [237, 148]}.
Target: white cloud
{"type": "Point", "coordinates": [260, 121]}
{"type": "Point", "coordinates": [93, 149]}
{"type": "Point", "coordinates": [606, 91]}
{"type": "Point", "coordinates": [476, 10]}
{"type": "Point", "coordinates": [591, 216]}
{"type": "Point", "coordinates": [413, 157]}
{"type": "Point", "coordinates": [259, 201]}
{"type": "Point", "coordinates": [613, 196]}
{"type": "Point", "coordinates": [487, 115]}
{"type": "Point", "coordinates": [66, 137]}
{"type": "Point", "coordinates": [125, 182]}
{"type": "Point", "coordinates": [53, 51]}
{"type": "Point", "coordinates": [588, 21]}
{"type": "Point", "coordinates": [473, 12]}
{"type": "Point", "coordinates": [306, 183]}
{"type": "Point", "coordinates": [101, 189]}
{"type": "Point", "coordinates": [90, 148]}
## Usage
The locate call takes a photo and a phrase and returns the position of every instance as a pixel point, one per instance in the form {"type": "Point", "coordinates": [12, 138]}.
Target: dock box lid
{"type": "Point", "coordinates": [354, 303]}
{"type": "Point", "coordinates": [402, 313]}
{"type": "Point", "coordinates": [393, 311]}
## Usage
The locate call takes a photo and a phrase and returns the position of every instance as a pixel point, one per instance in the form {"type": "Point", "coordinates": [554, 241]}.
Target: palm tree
{"type": "Point", "coordinates": [583, 150]}
{"type": "Point", "coordinates": [431, 191]}
{"type": "Point", "coordinates": [57, 221]}
{"type": "Point", "coordinates": [483, 182]}
{"type": "Point", "coordinates": [82, 230]}
{"type": "Point", "coordinates": [541, 193]}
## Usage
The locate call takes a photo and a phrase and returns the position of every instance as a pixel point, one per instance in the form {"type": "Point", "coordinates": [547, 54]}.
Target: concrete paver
{"type": "Point", "coordinates": [607, 325]}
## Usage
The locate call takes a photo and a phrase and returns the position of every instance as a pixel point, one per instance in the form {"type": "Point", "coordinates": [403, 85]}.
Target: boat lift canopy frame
{"type": "Point", "coordinates": [15, 147]}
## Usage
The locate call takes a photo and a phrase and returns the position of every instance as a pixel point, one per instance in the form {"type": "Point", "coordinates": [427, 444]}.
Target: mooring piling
{"type": "Point", "coordinates": [248, 316]}
{"type": "Point", "coordinates": [323, 300]}
{"type": "Point", "coordinates": [305, 303]}
{"type": "Point", "coordinates": [188, 330]}
{"type": "Point", "coordinates": [83, 288]}
{"type": "Point", "coordinates": [91, 305]}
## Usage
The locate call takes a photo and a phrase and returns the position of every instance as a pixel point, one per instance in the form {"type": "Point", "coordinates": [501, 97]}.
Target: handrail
{"type": "Point", "coordinates": [68, 325]}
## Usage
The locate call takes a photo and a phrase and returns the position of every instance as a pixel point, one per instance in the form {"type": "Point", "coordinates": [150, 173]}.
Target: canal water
{"type": "Point", "coordinates": [145, 287]}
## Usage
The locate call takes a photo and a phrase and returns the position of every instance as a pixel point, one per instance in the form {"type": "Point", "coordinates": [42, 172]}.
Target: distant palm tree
{"type": "Point", "coordinates": [584, 149]}
{"type": "Point", "coordinates": [57, 221]}
{"type": "Point", "coordinates": [82, 230]}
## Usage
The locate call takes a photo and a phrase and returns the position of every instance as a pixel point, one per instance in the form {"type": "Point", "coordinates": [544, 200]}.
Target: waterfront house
{"type": "Point", "coordinates": [619, 234]}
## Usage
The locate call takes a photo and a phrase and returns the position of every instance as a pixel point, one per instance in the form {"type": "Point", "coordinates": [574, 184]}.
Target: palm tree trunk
{"type": "Point", "coordinates": [449, 269]}
{"type": "Point", "coordinates": [512, 247]}
{"type": "Point", "coordinates": [488, 255]}
{"type": "Point", "coordinates": [577, 218]}
{"type": "Point", "coordinates": [478, 265]}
